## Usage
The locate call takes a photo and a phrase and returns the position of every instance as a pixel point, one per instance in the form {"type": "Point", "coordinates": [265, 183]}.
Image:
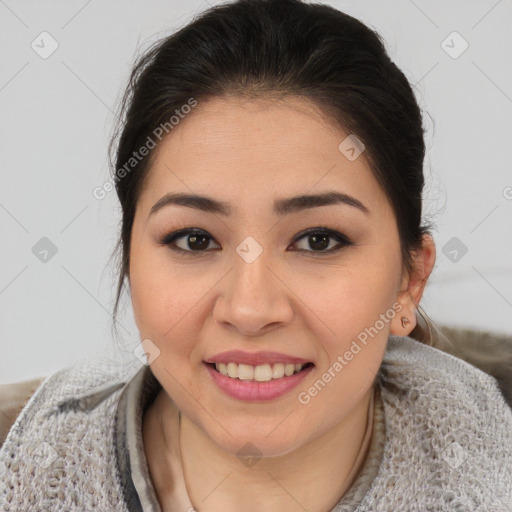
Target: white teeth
{"type": "Point", "coordinates": [278, 371]}
{"type": "Point", "coordinates": [260, 373]}
{"type": "Point", "coordinates": [245, 372]}
{"type": "Point", "coordinates": [233, 370]}
{"type": "Point", "coordinates": [263, 373]}
{"type": "Point", "coordinates": [289, 369]}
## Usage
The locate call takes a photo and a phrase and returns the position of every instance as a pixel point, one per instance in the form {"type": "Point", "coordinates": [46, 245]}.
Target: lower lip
{"type": "Point", "coordinates": [252, 391]}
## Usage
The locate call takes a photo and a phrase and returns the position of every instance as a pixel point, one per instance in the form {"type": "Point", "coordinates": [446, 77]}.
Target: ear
{"type": "Point", "coordinates": [412, 287]}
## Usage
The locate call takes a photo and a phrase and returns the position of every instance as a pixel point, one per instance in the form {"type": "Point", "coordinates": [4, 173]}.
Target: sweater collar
{"type": "Point", "coordinates": [137, 394]}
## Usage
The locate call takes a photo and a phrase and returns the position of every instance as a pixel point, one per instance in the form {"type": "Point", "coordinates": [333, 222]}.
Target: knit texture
{"type": "Point", "coordinates": [141, 495]}
{"type": "Point", "coordinates": [59, 454]}
{"type": "Point", "coordinates": [448, 440]}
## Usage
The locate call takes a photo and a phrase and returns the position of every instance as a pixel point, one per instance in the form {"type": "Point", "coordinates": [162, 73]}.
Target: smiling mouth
{"type": "Point", "coordinates": [262, 373]}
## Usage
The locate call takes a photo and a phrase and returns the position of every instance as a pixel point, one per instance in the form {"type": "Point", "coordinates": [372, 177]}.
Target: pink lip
{"type": "Point", "coordinates": [255, 358]}
{"type": "Point", "coordinates": [257, 391]}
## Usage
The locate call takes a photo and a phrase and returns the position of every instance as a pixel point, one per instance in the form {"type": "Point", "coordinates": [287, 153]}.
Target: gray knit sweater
{"type": "Point", "coordinates": [442, 440]}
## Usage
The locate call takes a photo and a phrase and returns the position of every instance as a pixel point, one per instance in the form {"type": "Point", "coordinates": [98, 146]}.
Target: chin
{"type": "Point", "coordinates": [256, 442]}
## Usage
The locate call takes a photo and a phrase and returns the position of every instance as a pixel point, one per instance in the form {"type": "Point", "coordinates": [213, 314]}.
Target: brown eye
{"type": "Point", "coordinates": [322, 240]}
{"type": "Point", "coordinates": [196, 242]}
{"type": "Point", "coordinates": [191, 240]}
{"type": "Point", "coordinates": [316, 240]}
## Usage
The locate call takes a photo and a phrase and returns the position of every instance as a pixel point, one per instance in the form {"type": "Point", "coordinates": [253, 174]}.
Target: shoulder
{"type": "Point", "coordinates": [448, 427]}
{"type": "Point", "coordinates": [445, 379]}
{"type": "Point", "coordinates": [411, 362]}
{"type": "Point", "coordinates": [13, 397]}
{"type": "Point", "coordinates": [68, 426]}
{"type": "Point", "coordinates": [70, 385]}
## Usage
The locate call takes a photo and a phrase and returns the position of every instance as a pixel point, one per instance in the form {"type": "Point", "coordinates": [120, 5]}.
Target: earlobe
{"type": "Point", "coordinates": [405, 321]}
{"type": "Point", "coordinates": [413, 286]}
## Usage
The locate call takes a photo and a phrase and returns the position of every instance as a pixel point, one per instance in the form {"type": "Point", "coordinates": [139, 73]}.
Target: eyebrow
{"type": "Point", "coordinates": [281, 206]}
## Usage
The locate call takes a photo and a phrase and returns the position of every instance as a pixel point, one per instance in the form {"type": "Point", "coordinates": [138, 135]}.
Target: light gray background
{"type": "Point", "coordinates": [56, 118]}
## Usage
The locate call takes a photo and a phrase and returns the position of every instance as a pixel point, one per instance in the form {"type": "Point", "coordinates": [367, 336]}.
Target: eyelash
{"type": "Point", "coordinates": [342, 239]}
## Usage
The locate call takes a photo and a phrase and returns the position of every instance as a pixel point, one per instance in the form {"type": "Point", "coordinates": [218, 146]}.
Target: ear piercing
{"type": "Point", "coordinates": [405, 321]}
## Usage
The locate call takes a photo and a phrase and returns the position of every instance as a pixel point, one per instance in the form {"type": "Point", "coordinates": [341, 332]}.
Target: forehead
{"type": "Point", "coordinates": [254, 148]}
{"type": "Point", "coordinates": [250, 125]}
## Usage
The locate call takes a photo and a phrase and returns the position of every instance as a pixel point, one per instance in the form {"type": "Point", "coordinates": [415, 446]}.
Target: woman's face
{"type": "Point", "coordinates": [249, 283]}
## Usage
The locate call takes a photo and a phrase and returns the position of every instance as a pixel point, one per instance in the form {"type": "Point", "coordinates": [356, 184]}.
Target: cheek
{"type": "Point", "coordinates": [352, 348]}
{"type": "Point", "coordinates": [355, 305]}
{"type": "Point", "coordinates": [353, 295]}
{"type": "Point", "coordinates": [160, 300]}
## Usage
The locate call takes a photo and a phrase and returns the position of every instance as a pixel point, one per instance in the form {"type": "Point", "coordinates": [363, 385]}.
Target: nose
{"type": "Point", "coordinates": [254, 298]}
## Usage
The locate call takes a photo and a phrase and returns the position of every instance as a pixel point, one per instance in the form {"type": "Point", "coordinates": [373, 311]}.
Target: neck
{"type": "Point", "coordinates": [217, 480]}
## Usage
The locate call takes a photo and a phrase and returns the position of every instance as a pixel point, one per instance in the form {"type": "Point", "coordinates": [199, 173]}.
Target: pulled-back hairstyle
{"type": "Point", "coordinates": [274, 49]}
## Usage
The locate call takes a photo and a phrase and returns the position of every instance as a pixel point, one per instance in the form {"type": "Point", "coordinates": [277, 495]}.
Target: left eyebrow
{"type": "Point", "coordinates": [281, 206]}
{"type": "Point", "coordinates": [303, 202]}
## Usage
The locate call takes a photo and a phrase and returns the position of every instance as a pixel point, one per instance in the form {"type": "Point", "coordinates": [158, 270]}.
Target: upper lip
{"type": "Point", "coordinates": [255, 358]}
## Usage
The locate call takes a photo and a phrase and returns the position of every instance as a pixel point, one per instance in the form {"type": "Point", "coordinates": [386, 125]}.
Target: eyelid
{"type": "Point", "coordinates": [324, 230]}
{"type": "Point", "coordinates": [341, 238]}
{"type": "Point", "coordinates": [171, 237]}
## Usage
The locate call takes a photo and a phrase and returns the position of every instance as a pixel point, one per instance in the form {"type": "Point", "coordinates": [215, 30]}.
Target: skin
{"type": "Point", "coordinates": [290, 299]}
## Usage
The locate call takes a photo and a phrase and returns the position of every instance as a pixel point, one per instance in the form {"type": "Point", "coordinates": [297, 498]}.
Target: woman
{"type": "Point", "coordinates": [269, 169]}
